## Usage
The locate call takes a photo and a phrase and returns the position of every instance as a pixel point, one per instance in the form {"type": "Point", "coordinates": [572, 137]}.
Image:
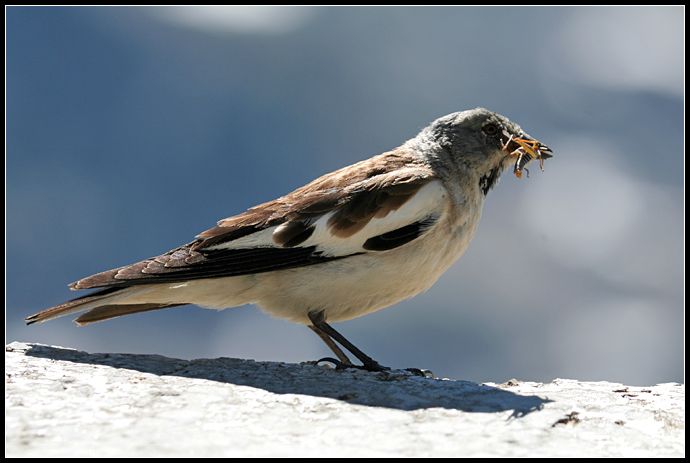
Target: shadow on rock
{"type": "Point", "coordinates": [395, 389]}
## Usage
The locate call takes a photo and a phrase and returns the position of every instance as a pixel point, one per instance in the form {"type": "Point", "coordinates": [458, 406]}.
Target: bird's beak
{"type": "Point", "coordinates": [534, 147]}
{"type": "Point", "coordinates": [526, 150]}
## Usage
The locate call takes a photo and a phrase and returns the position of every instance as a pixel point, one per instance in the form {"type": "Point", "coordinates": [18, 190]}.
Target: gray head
{"type": "Point", "coordinates": [474, 141]}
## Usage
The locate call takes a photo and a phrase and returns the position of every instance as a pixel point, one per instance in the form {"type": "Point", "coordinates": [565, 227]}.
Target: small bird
{"type": "Point", "coordinates": [345, 245]}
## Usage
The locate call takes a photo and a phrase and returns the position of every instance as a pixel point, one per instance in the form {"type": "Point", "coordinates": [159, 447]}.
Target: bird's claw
{"type": "Point", "coordinates": [342, 366]}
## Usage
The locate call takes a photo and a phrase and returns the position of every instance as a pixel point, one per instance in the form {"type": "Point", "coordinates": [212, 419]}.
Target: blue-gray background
{"type": "Point", "coordinates": [130, 130]}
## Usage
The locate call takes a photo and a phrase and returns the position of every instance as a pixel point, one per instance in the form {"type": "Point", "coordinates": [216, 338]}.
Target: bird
{"type": "Point", "coordinates": [349, 243]}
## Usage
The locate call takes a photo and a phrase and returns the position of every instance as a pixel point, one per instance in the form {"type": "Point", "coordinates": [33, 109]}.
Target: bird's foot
{"type": "Point", "coordinates": [375, 366]}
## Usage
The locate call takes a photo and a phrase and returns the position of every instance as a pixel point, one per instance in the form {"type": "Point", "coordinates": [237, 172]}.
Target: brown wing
{"type": "Point", "coordinates": [365, 185]}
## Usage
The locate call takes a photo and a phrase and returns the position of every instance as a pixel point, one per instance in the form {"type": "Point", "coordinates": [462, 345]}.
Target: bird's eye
{"type": "Point", "coordinates": [490, 129]}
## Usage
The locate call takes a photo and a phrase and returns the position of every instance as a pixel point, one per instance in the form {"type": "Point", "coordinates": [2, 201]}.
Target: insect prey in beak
{"type": "Point", "coordinates": [526, 152]}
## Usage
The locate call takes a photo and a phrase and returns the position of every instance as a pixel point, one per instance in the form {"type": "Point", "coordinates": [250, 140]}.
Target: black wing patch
{"type": "Point", "coordinates": [291, 234]}
{"type": "Point", "coordinates": [400, 236]}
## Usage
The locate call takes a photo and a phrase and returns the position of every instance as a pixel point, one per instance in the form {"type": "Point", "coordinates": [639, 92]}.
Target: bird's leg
{"type": "Point", "coordinates": [325, 331]}
{"type": "Point", "coordinates": [330, 343]}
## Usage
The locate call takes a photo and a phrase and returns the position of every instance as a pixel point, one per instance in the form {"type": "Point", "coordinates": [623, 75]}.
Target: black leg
{"type": "Point", "coordinates": [319, 322]}
{"type": "Point", "coordinates": [330, 343]}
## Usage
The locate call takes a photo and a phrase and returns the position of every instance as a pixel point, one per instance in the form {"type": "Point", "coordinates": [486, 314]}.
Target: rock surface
{"type": "Point", "coordinates": [60, 402]}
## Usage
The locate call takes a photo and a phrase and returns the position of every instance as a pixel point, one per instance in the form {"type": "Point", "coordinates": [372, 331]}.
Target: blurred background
{"type": "Point", "coordinates": [130, 130]}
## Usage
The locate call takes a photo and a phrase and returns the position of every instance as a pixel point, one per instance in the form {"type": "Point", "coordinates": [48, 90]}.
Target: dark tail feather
{"type": "Point", "coordinates": [71, 306]}
{"type": "Point", "coordinates": [106, 312]}
{"type": "Point", "coordinates": [101, 305]}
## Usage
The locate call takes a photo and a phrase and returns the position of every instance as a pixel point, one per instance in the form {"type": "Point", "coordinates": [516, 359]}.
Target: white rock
{"type": "Point", "coordinates": [60, 402]}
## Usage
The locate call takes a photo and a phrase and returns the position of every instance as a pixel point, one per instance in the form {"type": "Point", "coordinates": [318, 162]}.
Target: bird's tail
{"type": "Point", "coordinates": [101, 305]}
